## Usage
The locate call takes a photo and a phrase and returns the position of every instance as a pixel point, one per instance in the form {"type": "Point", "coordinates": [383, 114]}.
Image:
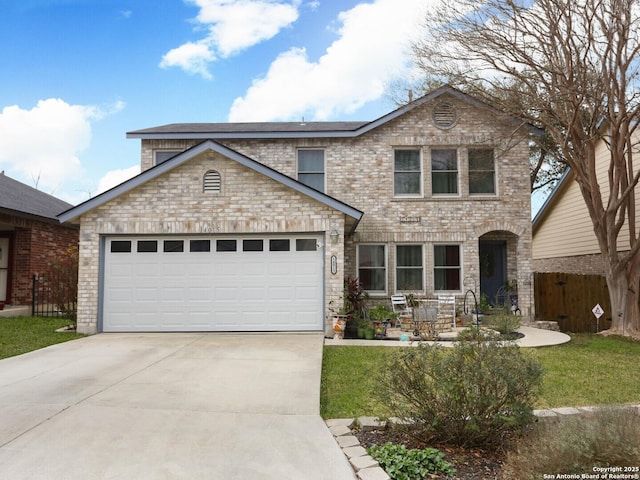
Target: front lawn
{"type": "Point", "coordinates": [589, 370]}
{"type": "Point", "coordinates": [23, 334]}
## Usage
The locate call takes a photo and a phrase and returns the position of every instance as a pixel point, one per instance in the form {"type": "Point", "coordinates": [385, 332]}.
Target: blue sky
{"type": "Point", "coordinates": [76, 75]}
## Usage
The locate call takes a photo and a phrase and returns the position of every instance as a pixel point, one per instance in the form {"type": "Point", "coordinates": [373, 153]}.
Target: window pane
{"type": "Point", "coordinates": [306, 245]}
{"type": "Point", "coordinates": [409, 279]}
{"type": "Point", "coordinates": [120, 246]}
{"type": "Point", "coordinates": [372, 280]}
{"type": "Point", "coordinates": [226, 245]}
{"type": "Point", "coordinates": [445, 182]}
{"type": "Point", "coordinates": [446, 255]}
{"type": "Point", "coordinates": [407, 172]}
{"type": "Point", "coordinates": [147, 246]}
{"type": "Point", "coordinates": [371, 255]}
{"type": "Point", "coordinates": [200, 246]}
{"type": "Point", "coordinates": [279, 245]}
{"type": "Point", "coordinates": [311, 161]}
{"type": "Point", "coordinates": [409, 255]}
{"type": "Point", "coordinates": [481, 171]}
{"type": "Point", "coordinates": [173, 246]}
{"type": "Point", "coordinates": [252, 246]}
{"type": "Point", "coordinates": [447, 279]}
{"type": "Point", "coordinates": [407, 160]}
{"type": "Point", "coordinates": [444, 159]}
{"type": "Point", "coordinates": [162, 157]}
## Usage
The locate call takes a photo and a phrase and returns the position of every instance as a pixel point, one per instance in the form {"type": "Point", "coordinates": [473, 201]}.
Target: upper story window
{"type": "Point", "coordinates": [444, 171]}
{"type": "Point", "coordinates": [311, 168]}
{"type": "Point", "coordinates": [407, 173]}
{"type": "Point", "coordinates": [161, 156]}
{"type": "Point", "coordinates": [482, 176]}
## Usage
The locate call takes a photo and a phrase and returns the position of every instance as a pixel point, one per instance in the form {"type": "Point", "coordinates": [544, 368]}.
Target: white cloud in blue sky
{"type": "Point", "coordinates": [232, 26]}
{"type": "Point", "coordinates": [43, 143]}
{"type": "Point", "coordinates": [372, 49]}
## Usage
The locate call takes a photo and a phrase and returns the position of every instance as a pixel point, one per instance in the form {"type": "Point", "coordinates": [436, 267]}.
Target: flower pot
{"type": "Point", "coordinates": [369, 334]}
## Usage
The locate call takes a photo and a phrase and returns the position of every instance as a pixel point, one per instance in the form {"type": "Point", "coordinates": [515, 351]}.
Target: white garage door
{"type": "Point", "coordinates": [213, 284]}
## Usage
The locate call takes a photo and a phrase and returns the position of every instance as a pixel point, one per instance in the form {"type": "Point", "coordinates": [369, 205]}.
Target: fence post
{"type": "Point", "coordinates": [34, 279]}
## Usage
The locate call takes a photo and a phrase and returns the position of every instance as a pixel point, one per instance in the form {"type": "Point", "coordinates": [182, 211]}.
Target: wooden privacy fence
{"type": "Point", "coordinates": [568, 299]}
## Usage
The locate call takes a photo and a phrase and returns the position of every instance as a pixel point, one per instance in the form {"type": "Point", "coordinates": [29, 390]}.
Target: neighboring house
{"type": "Point", "coordinates": [563, 236]}
{"type": "Point", "coordinates": [255, 226]}
{"type": "Point", "coordinates": [30, 237]}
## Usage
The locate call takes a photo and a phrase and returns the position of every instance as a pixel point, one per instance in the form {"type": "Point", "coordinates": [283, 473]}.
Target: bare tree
{"type": "Point", "coordinates": [570, 67]}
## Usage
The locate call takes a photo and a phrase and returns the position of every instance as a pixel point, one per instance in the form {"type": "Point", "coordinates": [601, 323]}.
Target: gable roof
{"type": "Point", "coordinates": [209, 145]}
{"type": "Point", "coordinates": [272, 130]}
{"type": "Point", "coordinates": [16, 198]}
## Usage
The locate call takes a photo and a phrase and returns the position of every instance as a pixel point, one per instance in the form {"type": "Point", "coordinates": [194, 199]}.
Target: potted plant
{"type": "Point", "coordinates": [354, 305]}
{"type": "Point", "coordinates": [381, 316]}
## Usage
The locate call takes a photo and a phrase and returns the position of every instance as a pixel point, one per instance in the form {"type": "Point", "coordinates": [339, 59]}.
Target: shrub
{"type": "Point", "coordinates": [575, 445]}
{"type": "Point", "coordinates": [470, 395]}
{"type": "Point", "coordinates": [505, 323]}
{"type": "Point", "coordinates": [403, 464]}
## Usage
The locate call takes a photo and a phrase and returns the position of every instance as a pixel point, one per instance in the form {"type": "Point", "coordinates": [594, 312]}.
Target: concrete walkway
{"type": "Point", "coordinates": [533, 337]}
{"type": "Point", "coordinates": [168, 406]}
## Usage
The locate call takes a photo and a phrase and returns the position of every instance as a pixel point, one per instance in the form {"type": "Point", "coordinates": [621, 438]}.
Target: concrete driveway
{"type": "Point", "coordinates": [168, 406]}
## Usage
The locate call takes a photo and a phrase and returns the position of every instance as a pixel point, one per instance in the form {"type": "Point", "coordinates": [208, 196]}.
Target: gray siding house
{"type": "Point", "coordinates": [255, 226]}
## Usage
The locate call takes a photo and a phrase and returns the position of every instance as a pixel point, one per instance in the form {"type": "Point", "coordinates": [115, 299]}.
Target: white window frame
{"type": "Point", "coordinates": [459, 267]}
{"type": "Point", "coordinates": [420, 193]}
{"type": "Point", "coordinates": [495, 173]}
{"type": "Point", "coordinates": [422, 267]}
{"type": "Point", "coordinates": [457, 171]}
{"type": "Point", "coordinates": [324, 167]}
{"type": "Point", "coordinates": [386, 267]}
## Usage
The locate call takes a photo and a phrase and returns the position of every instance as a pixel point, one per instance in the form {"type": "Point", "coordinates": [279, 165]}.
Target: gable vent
{"type": "Point", "coordinates": [444, 115]}
{"type": "Point", "coordinates": [212, 182]}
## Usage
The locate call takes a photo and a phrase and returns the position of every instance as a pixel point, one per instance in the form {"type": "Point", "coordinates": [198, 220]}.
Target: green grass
{"type": "Point", "coordinates": [589, 370]}
{"type": "Point", "coordinates": [23, 334]}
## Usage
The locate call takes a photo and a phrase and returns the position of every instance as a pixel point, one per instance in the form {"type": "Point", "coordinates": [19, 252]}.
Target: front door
{"type": "Point", "coordinates": [4, 269]}
{"type": "Point", "coordinates": [493, 268]}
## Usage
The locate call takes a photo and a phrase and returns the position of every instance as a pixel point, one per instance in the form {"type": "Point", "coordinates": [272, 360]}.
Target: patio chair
{"type": "Point", "coordinates": [446, 311]}
{"type": "Point", "coordinates": [401, 308]}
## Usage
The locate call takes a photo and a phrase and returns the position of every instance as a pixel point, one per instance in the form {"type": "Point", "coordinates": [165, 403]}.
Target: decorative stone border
{"type": "Point", "coordinates": [366, 468]}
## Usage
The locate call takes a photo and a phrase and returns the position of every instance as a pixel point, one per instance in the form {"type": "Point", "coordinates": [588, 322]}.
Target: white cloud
{"type": "Point", "coordinates": [193, 58]}
{"type": "Point", "coordinates": [116, 177]}
{"type": "Point", "coordinates": [373, 49]}
{"type": "Point", "coordinates": [42, 145]}
{"type": "Point", "coordinates": [232, 26]}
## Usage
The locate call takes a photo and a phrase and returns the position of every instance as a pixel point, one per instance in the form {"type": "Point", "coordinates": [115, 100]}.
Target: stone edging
{"type": "Point", "coordinates": [366, 468]}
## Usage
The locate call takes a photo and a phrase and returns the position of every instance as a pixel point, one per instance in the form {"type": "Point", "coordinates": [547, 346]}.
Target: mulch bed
{"type": "Point", "coordinates": [470, 463]}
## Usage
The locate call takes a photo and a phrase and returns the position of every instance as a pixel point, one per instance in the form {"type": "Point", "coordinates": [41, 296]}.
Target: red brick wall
{"type": "Point", "coordinates": [35, 244]}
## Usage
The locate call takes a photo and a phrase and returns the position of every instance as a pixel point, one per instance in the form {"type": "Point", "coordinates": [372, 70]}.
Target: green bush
{"type": "Point", "coordinates": [505, 323]}
{"type": "Point", "coordinates": [403, 464]}
{"type": "Point", "coordinates": [575, 445]}
{"type": "Point", "coordinates": [470, 395]}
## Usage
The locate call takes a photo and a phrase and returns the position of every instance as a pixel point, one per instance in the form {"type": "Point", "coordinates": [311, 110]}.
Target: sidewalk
{"type": "Point", "coordinates": [533, 337]}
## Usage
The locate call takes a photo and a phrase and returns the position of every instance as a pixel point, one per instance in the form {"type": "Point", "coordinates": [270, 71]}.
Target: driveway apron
{"type": "Point", "coordinates": [168, 406]}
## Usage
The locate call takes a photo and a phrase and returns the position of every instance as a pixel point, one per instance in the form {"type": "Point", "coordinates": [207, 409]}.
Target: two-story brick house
{"type": "Point", "coordinates": [255, 226]}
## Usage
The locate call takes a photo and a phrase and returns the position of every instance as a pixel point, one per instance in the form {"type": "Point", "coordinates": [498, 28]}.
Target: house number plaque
{"type": "Point", "coordinates": [334, 264]}
{"type": "Point", "coordinates": [410, 219]}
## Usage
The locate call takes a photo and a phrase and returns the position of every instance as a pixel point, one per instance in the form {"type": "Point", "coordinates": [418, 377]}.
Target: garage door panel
{"type": "Point", "coordinates": [212, 291]}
